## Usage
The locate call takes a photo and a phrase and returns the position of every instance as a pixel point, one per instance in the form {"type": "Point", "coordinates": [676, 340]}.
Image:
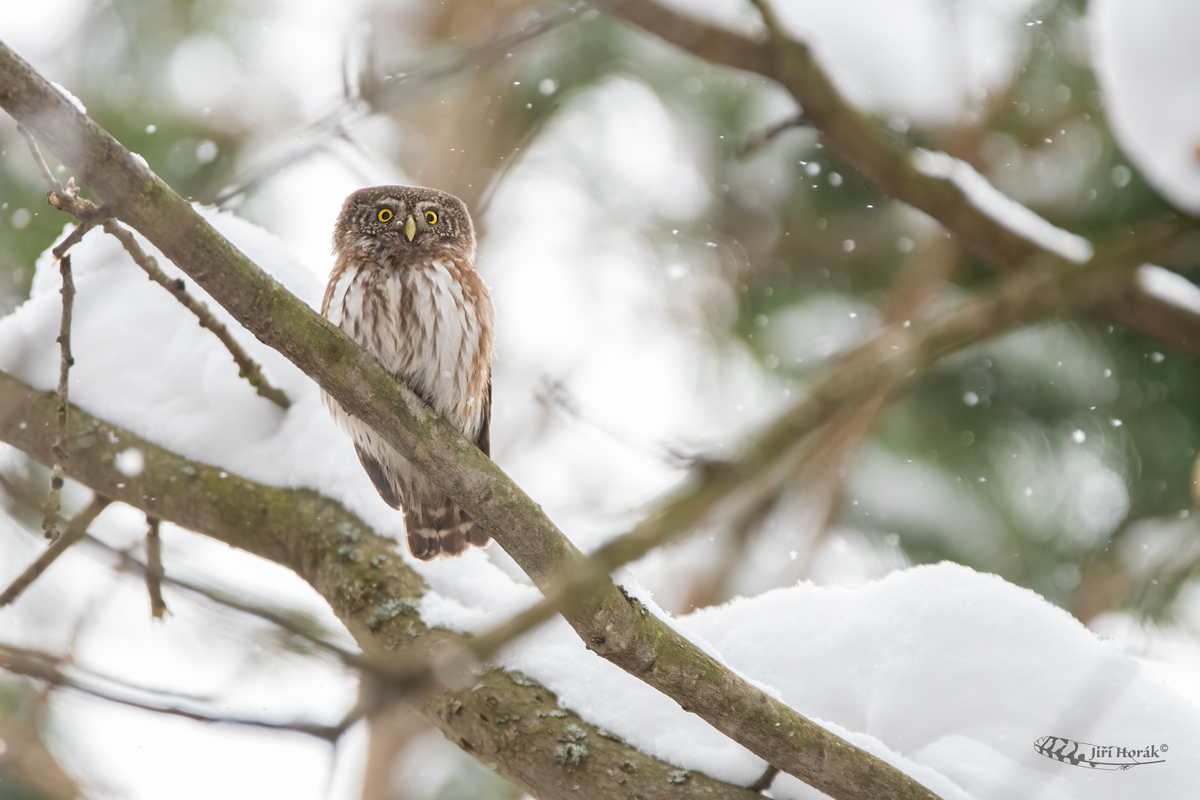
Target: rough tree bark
{"type": "Point", "coordinates": [610, 623]}
{"type": "Point", "coordinates": [507, 721]}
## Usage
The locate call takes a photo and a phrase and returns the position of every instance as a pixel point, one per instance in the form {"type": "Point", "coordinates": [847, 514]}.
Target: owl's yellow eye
{"type": "Point", "coordinates": [385, 215]}
{"type": "Point", "coordinates": [431, 217]}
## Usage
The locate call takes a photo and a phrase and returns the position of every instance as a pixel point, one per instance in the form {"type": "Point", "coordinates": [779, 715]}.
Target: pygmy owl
{"type": "Point", "coordinates": [405, 288]}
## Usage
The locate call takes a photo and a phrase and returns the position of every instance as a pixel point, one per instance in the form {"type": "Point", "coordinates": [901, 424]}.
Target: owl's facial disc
{"type": "Point", "coordinates": [410, 227]}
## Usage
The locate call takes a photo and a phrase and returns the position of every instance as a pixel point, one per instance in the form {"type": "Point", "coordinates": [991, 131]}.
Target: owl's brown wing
{"type": "Point", "coordinates": [474, 534]}
{"type": "Point", "coordinates": [483, 439]}
{"type": "Point", "coordinates": [378, 477]}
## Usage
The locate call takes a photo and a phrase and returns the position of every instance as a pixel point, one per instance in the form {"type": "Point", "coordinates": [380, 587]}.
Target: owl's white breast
{"type": "Point", "coordinates": [417, 322]}
{"type": "Point", "coordinates": [441, 357]}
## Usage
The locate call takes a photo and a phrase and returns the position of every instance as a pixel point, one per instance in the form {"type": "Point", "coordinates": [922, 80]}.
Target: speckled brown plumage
{"type": "Point", "coordinates": [405, 287]}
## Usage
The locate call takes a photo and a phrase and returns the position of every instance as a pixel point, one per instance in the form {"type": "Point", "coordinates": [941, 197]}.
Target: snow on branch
{"type": "Point", "coordinates": [248, 368]}
{"type": "Point", "coordinates": [372, 591]}
{"type": "Point", "coordinates": [610, 622]}
{"type": "Point", "coordinates": [1003, 234]}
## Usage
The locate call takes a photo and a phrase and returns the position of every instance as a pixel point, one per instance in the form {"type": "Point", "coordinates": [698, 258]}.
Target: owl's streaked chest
{"type": "Point", "coordinates": [430, 324]}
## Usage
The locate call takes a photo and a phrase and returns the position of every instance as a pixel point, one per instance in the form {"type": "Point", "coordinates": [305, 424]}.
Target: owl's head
{"type": "Point", "coordinates": [403, 222]}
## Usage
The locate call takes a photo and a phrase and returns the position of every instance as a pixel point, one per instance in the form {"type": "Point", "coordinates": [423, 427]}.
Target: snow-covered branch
{"type": "Point", "coordinates": [611, 623]}
{"type": "Point", "coordinates": [371, 590]}
{"type": "Point", "coordinates": [894, 166]}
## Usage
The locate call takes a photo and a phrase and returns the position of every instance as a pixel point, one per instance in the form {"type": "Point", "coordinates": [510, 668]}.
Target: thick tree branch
{"type": "Point", "coordinates": [612, 624]}
{"type": "Point", "coordinates": [883, 157]}
{"type": "Point", "coordinates": [508, 721]}
{"type": "Point", "coordinates": [608, 621]}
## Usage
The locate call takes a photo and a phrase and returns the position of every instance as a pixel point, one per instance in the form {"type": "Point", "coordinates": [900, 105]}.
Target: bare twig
{"type": "Point", "coordinates": [43, 667]}
{"type": "Point", "coordinates": [36, 152]}
{"type": "Point", "coordinates": [290, 622]}
{"type": "Point", "coordinates": [553, 395]}
{"type": "Point", "coordinates": [65, 199]}
{"type": "Point", "coordinates": [68, 199]}
{"type": "Point", "coordinates": [759, 140]}
{"type": "Point", "coordinates": [612, 624]}
{"type": "Point", "coordinates": [712, 588]}
{"type": "Point", "coordinates": [514, 158]}
{"type": "Point", "coordinates": [248, 368]}
{"type": "Point", "coordinates": [61, 451]}
{"type": "Point", "coordinates": [309, 534]}
{"type": "Point", "coordinates": [154, 569]}
{"type": "Point", "coordinates": [833, 454]}
{"type": "Point", "coordinates": [880, 156]}
{"type": "Point", "coordinates": [376, 95]}
{"type": "Point", "coordinates": [74, 532]}
{"type": "Point", "coordinates": [765, 780]}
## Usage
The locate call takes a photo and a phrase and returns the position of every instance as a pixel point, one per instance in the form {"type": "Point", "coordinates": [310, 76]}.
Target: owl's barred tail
{"type": "Point", "coordinates": [441, 530]}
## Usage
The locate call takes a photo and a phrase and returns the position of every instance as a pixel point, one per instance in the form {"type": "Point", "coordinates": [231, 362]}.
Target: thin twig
{"type": "Point", "coordinates": [377, 95]}
{"type": "Point", "coordinates": [34, 151]}
{"type": "Point", "coordinates": [61, 450]}
{"type": "Point", "coordinates": [759, 140]}
{"type": "Point", "coordinates": [283, 619]}
{"type": "Point", "coordinates": [248, 368]}
{"type": "Point", "coordinates": [154, 569]}
{"type": "Point", "coordinates": [44, 667]}
{"type": "Point", "coordinates": [765, 780]}
{"type": "Point", "coordinates": [74, 532]}
{"type": "Point", "coordinates": [502, 172]}
{"type": "Point", "coordinates": [65, 199]}
{"type": "Point", "coordinates": [68, 199]}
{"type": "Point", "coordinates": [710, 589]}
{"type": "Point", "coordinates": [555, 396]}
{"type": "Point", "coordinates": [293, 623]}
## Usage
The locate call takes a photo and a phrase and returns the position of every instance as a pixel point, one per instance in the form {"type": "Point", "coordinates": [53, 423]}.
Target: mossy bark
{"type": "Point", "coordinates": [608, 622]}
{"type": "Point", "coordinates": [508, 721]}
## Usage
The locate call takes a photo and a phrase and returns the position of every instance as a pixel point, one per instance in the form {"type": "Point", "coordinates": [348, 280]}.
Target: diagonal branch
{"type": "Point", "coordinates": [248, 368]}
{"type": "Point", "coordinates": [43, 667]}
{"type": "Point", "coordinates": [883, 157]}
{"type": "Point", "coordinates": [371, 590]}
{"type": "Point", "coordinates": [74, 532]}
{"type": "Point", "coordinates": [611, 623]}
{"type": "Point", "coordinates": [859, 138]}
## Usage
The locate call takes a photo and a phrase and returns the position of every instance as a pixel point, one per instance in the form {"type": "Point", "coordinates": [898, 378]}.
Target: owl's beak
{"type": "Point", "coordinates": [410, 228]}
